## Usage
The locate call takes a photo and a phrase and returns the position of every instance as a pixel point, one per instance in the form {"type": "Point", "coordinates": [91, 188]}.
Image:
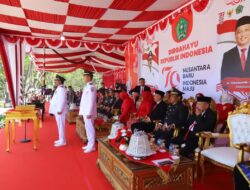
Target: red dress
{"type": "Point", "coordinates": [223, 111]}
{"type": "Point", "coordinates": [127, 107]}
{"type": "Point", "coordinates": [146, 104]}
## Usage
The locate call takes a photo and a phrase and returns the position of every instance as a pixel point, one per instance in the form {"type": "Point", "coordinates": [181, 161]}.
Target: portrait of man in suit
{"type": "Point", "coordinates": [236, 61]}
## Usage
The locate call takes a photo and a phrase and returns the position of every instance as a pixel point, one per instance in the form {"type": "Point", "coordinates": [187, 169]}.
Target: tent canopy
{"type": "Point", "coordinates": [64, 59]}
{"type": "Point", "coordinates": [95, 31]}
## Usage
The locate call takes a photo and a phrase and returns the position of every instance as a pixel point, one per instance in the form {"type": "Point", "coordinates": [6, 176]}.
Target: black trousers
{"type": "Point", "coordinates": [41, 106]}
{"type": "Point", "coordinates": [164, 134]}
{"type": "Point", "coordinates": [191, 144]}
{"type": "Point", "coordinates": [143, 126]}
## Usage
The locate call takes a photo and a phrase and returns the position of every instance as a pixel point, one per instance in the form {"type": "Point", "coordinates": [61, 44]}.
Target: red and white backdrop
{"type": "Point", "coordinates": [95, 31]}
{"type": "Point", "coordinates": [132, 59]}
{"type": "Point", "coordinates": [13, 56]}
{"type": "Point", "coordinates": [59, 56]}
{"type": "Point", "coordinates": [186, 49]}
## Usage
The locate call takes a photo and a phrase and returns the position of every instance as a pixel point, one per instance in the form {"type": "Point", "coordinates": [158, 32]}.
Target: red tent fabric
{"type": "Point", "coordinates": [67, 56]}
{"type": "Point", "coordinates": [110, 21]}
{"type": "Point", "coordinates": [95, 31]}
{"type": "Point", "coordinates": [65, 35]}
{"type": "Point", "coordinates": [110, 78]}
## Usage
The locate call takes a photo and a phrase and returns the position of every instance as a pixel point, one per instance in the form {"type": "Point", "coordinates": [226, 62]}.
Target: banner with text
{"type": "Point", "coordinates": [200, 50]}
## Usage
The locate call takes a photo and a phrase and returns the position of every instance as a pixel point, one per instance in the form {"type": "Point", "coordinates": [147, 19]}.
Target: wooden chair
{"type": "Point", "coordinates": [227, 157]}
{"type": "Point", "coordinates": [207, 140]}
{"type": "Point", "coordinates": [101, 131]}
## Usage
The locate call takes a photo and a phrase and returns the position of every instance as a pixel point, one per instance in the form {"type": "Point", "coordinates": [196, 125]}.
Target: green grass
{"type": "Point", "coordinates": [2, 118]}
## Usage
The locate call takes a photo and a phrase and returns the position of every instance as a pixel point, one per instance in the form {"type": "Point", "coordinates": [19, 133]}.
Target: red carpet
{"type": "Point", "coordinates": [67, 168]}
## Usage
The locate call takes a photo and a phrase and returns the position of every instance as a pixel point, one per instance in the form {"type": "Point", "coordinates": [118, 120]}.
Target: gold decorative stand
{"type": "Point", "coordinates": [21, 113]}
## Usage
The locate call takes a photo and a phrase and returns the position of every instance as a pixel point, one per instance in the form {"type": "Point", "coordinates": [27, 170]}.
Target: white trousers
{"type": "Point", "coordinates": [60, 121]}
{"type": "Point", "coordinates": [90, 130]}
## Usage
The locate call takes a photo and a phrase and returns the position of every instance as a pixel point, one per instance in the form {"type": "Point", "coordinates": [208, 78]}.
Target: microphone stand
{"type": "Point", "coordinates": [25, 140]}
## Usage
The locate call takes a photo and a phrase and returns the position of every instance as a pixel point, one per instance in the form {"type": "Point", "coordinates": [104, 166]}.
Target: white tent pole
{"type": "Point", "coordinates": [44, 65]}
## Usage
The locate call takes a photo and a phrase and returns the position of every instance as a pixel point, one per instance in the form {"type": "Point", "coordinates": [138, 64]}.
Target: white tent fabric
{"type": "Point", "coordinates": [16, 56]}
{"type": "Point", "coordinates": [92, 24]}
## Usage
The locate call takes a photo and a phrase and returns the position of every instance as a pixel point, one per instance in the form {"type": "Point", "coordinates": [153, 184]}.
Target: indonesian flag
{"type": "Point", "coordinates": [226, 31]}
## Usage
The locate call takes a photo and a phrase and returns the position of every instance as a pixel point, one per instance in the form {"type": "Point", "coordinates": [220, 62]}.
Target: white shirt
{"type": "Point", "coordinates": [88, 101]}
{"type": "Point", "coordinates": [142, 89]}
{"type": "Point", "coordinates": [58, 102]}
{"type": "Point", "coordinates": [158, 102]}
{"type": "Point", "coordinates": [246, 52]}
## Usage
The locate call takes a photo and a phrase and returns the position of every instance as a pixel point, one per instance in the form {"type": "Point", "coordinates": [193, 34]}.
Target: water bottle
{"type": "Point", "coordinates": [159, 142]}
{"type": "Point", "coordinates": [171, 149]}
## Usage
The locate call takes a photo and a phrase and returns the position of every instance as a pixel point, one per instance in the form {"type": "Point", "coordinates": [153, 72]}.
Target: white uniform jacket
{"type": "Point", "coordinates": [58, 102]}
{"type": "Point", "coordinates": [88, 101]}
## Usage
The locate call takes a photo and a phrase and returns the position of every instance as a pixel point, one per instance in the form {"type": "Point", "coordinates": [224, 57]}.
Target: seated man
{"type": "Point", "coordinates": [104, 103]}
{"type": "Point", "coordinates": [111, 100]}
{"type": "Point", "coordinates": [157, 114]}
{"type": "Point", "coordinates": [100, 102]}
{"type": "Point", "coordinates": [167, 96]}
{"type": "Point", "coordinates": [39, 102]}
{"type": "Point", "coordinates": [140, 88]}
{"type": "Point", "coordinates": [176, 117]}
{"type": "Point", "coordinates": [102, 88]}
{"type": "Point", "coordinates": [107, 102]}
{"type": "Point", "coordinates": [127, 107]}
{"type": "Point", "coordinates": [204, 119]}
{"type": "Point", "coordinates": [116, 107]}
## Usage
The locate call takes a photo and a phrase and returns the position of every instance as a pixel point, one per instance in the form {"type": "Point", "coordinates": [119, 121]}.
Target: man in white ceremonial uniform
{"type": "Point", "coordinates": [58, 107]}
{"type": "Point", "coordinates": [88, 110]}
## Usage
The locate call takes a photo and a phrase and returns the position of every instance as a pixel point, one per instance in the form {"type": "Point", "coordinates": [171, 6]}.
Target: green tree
{"type": "Point", "coordinates": [75, 79]}
{"type": "Point", "coordinates": [3, 83]}
{"type": "Point", "coordinates": [33, 79]}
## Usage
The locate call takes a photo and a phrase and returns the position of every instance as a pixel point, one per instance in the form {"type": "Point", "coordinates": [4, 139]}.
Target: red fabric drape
{"type": "Point", "coordinates": [7, 72]}
{"type": "Point", "coordinates": [108, 80]}
{"type": "Point", "coordinates": [111, 77]}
